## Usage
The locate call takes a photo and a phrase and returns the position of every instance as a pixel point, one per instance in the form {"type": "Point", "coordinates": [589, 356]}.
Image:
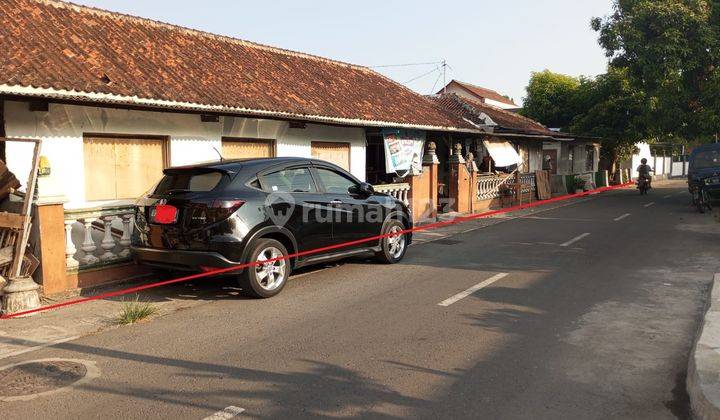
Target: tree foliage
{"type": "Point", "coordinates": [610, 108]}
{"type": "Point", "coordinates": [670, 49]}
{"type": "Point", "coordinates": [607, 107]}
{"type": "Point", "coordinates": [549, 98]}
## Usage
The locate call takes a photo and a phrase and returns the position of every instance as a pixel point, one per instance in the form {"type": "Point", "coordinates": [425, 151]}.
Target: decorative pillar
{"type": "Point", "coordinates": [88, 245]}
{"type": "Point", "coordinates": [108, 242]}
{"type": "Point", "coordinates": [424, 191]}
{"type": "Point", "coordinates": [459, 181]}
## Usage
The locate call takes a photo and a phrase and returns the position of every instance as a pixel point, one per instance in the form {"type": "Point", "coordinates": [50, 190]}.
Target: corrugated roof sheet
{"type": "Point", "coordinates": [58, 49]}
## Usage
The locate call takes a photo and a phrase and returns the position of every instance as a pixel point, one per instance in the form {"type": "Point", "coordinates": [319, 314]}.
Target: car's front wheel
{"type": "Point", "coordinates": [271, 270]}
{"type": "Point", "coordinates": [393, 247]}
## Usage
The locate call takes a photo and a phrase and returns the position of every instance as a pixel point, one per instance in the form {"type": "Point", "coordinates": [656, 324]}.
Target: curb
{"type": "Point", "coordinates": [703, 377]}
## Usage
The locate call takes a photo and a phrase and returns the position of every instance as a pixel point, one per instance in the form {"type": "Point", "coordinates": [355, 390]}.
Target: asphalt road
{"type": "Point", "coordinates": [594, 319]}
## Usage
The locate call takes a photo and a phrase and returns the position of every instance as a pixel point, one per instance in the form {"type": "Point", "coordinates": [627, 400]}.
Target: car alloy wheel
{"type": "Point", "coordinates": [396, 244]}
{"type": "Point", "coordinates": [270, 273]}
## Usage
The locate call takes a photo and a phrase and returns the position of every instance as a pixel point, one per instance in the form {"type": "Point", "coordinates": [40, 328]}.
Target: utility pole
{"type": "Point", "coordinates": [444, 69]}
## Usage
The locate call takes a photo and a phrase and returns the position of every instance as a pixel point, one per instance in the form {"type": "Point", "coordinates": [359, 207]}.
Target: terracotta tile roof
{"type": "Point", "coordinates": [57, 49]}
{"type": "Point", "coordinates": [506, 121]}
{"type": "Point", "coordinates": [484, 93]}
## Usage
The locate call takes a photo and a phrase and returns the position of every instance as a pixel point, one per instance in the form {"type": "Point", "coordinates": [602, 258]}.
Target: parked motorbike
{"type": "Point", "coordinates": [700, 198]}
{"type": "Point", "coordinates": [643, 184]}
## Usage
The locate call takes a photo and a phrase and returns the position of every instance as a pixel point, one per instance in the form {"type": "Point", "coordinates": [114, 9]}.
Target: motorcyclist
{"type": "Point", "coordinates": [644, 172]}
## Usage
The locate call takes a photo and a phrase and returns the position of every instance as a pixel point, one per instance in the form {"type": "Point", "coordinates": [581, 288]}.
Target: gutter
{"type": "Point", "coordinates": [160, 104]}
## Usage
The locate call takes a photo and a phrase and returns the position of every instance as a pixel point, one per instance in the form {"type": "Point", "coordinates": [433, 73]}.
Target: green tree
{"type": "Point", "coordinates": [670, 49]}
{"type": "Point", "coordinates": [610, 108]}
{"type": "Point", "coordinates": [550, 98]}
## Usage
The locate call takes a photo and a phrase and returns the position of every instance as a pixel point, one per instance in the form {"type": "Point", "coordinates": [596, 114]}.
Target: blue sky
{"type": "Point", "coordinates": [496, 44]}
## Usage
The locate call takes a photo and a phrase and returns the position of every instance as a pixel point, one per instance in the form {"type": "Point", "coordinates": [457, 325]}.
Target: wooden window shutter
{"type": "Point", "coordinates": [337, 153]}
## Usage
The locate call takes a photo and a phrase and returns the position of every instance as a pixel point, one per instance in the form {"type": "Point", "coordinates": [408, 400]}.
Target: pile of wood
{"type": "Point", "coordinates": [13, 231]}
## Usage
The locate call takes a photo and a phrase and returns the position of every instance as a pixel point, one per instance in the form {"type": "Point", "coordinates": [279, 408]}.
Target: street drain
{"type": "Point", "coordinates": [27, 380]}
{"type": "Point", "coordinates": [447, 242]}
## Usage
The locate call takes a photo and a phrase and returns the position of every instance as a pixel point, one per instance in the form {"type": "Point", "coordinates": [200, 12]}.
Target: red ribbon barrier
{"type": "Point", "coordinates": [206, 274]}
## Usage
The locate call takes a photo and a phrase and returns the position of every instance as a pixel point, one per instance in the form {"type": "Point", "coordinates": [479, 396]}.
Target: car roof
{"type": "Point", "coordinates": [705, 147]}
{"type": "Point", "coordinates": [249, 164]}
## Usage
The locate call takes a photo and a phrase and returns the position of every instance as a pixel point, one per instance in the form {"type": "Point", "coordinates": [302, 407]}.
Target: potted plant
{"type": "Point", "coordinates": [579, 185]}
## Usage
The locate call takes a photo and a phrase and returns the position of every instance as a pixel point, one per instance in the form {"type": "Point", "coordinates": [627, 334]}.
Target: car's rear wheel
{"type": "Point", "coordinates": [270, 273]}
{"type": "Point", "coordinates": [393, 247]}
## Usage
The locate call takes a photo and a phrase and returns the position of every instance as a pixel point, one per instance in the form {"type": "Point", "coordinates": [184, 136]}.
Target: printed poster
{"type": "Point", "coordinates": [404, 151]}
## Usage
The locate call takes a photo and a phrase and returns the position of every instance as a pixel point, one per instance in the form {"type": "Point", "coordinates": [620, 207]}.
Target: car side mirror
{"type": "Point", "coordinates": [363, 188]}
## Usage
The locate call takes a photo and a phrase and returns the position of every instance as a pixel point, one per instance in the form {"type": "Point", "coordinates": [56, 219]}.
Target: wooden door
{"type": "Point", "coordinates": [337, 153]}
{"type": "Point", "coordinates": [237, 148]}
{"type": "Point", "coordinates": [122, 167]}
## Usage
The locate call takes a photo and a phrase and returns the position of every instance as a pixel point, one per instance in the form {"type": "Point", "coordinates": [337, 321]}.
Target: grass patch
{"type": "Point", "coordinates": [135, 311]}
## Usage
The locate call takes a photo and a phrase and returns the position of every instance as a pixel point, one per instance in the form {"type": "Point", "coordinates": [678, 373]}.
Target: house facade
{"type": "Point", "coordinates": [116, 99]}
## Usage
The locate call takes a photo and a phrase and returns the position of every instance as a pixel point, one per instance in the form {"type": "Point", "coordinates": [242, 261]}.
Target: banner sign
{"type": "Point", "coordinates": [403, 151]}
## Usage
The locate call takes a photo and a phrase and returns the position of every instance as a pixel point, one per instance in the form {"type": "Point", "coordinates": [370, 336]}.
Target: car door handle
{"type": "Point", "coordinates": [336, 202]}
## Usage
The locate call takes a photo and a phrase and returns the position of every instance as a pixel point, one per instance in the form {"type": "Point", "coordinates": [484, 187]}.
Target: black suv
{"type": "Point", "coordinates": [218, 215]}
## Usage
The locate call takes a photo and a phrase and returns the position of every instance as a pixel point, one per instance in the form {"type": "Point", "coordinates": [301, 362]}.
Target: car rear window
{"type": "Point", "coordinates": [189, 181]}
{"type": "Point", "coordinates": [707, 159]}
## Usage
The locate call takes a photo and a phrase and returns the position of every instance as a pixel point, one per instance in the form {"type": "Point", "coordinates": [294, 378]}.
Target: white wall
{"type": "Point", "coordinates": [191, 141]}
{"type": "Point", "coordinates": [644, 152]}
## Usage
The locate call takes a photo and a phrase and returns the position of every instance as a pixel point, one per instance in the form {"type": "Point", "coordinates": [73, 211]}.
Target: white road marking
{"type": "Point", "coordinates": [227, 413]}
{"type": "Point", "coordinates": [452, 299]}
{"type": "Point", "coordinates": [649, 204]}
{"type": "Point", "coordinates": [617, 219]}
{"type": "Point", "coordinates": [668, 196]}
{"type": "Point", "coordinates": [575, 239]}
{"type": "Point", "coordinates": [38, 347]}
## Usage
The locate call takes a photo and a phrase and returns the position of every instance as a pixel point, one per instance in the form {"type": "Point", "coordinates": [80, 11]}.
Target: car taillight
{"type": "Point", "coordinates": [163, 214]}
{"type": "Point", "coordinates": [214, 211]}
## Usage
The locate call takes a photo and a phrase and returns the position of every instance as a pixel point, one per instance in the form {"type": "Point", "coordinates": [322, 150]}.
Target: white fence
{"type": "Point", "coordinates": [679, 168]}
{"type": "Point", "coordinates": [489, 186]}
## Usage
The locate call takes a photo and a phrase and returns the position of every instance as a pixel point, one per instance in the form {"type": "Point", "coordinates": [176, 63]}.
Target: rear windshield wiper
{"type": "Point", "coordinates": [177, 191]}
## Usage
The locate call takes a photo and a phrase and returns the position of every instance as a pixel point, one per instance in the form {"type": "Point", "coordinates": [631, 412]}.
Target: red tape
{"type": "Point", "coordinates": [460, 219]}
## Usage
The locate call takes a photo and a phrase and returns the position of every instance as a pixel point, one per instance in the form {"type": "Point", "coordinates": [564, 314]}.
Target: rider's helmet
{"type": "Point", "coordinates": [643, 161]}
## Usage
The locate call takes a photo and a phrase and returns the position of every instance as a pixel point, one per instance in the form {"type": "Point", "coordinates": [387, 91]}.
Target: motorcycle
{"type": "Point", "coordinates": [700, 198]}
{"type": "Point", "coordinates": [643, 184]}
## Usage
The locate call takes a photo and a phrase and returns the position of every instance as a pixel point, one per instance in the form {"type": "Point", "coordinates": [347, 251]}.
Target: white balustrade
{"type": "Point", "coordinates": [103, 243]}
{"type": "Point", "coordinates": [88, 245]}
{"type": "Point", "coordinates": [70, 248]}
{"type": "Point", "coordinates": [400, 191]}
{"type": "Point", "coordinates": [108, 242]}
{"type": "Point", "coordinates": [489, 186]}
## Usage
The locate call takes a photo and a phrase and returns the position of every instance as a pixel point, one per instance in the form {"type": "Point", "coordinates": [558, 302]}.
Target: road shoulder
{"type": "Point", "coordinates": [703, 381]}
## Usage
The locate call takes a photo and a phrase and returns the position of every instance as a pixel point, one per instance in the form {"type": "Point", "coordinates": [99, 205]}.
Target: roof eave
{"type": "Point", "coordinates": [160, 104]}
